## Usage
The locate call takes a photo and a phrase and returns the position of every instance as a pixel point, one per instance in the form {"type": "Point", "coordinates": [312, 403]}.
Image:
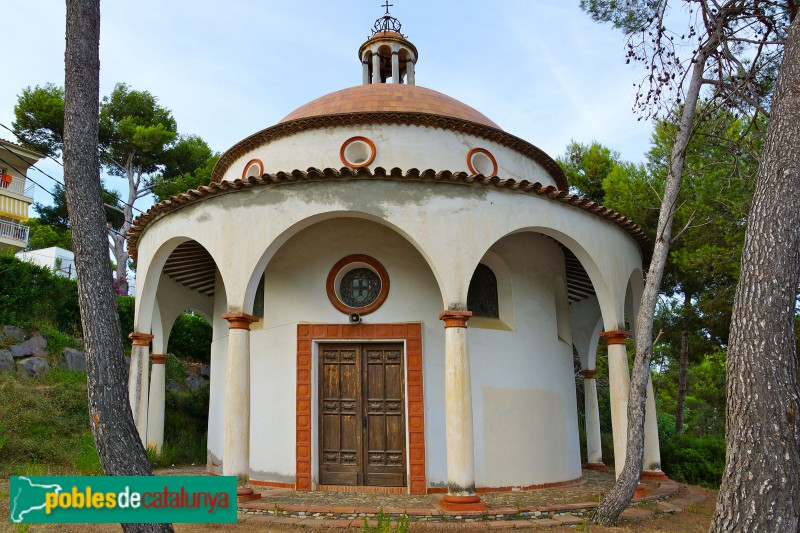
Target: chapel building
{"type": "Point", "coordinates": [398, 290]}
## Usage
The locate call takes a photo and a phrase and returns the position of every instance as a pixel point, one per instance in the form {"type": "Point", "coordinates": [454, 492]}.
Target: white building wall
{"type": "Point", "coordinates": [295, 292]}
{"type": "Point", "coordinates": [523, 398]}
{"type": "Point", "coordinates": [523, 386]}
{"type": "Point", "coordinates": [396, 145]}
{"type": "Point", "coordinates": [59, 260]}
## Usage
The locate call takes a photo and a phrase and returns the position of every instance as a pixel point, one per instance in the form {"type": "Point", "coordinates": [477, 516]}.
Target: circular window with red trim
{"type": "Point", "coordinates": [357, 152]}
{"type": "Point", "coordinates": [357, 284]}
{"type": "Point", "coordinates": [253, 169]}
{"type": "Point", "coordinates": [481, 161]}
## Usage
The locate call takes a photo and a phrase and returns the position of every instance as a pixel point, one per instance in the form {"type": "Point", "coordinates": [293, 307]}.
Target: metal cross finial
{"type": "Point", "coordinates": [387, 5]}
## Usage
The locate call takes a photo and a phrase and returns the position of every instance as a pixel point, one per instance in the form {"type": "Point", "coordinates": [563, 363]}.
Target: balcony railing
{"type": "Point", "coordinates": [18, 186]}
{"type": "Point", "coordinates": [14, 231]}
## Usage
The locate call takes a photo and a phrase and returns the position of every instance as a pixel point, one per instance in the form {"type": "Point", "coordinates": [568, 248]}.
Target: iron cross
{"type": "Point", "coordinates": [387, 5]}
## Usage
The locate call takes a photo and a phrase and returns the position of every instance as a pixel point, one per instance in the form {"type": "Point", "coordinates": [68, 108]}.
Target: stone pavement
{"type": "Point", "coordinates": [565, 505]}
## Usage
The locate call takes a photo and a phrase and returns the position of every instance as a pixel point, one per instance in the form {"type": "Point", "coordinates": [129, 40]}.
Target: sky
{"type": "Point", "coordinates": [541, 69]}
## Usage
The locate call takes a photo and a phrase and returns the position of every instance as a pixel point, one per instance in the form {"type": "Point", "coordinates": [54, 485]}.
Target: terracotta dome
{"type": "Point", "coordinates": [382, 97]}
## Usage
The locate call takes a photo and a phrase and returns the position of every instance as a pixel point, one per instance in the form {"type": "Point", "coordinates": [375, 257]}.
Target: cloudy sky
{"type": "Point", "coordinates": [541, 69]}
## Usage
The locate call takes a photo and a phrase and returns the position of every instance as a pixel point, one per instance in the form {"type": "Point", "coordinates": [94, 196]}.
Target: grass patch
{"type": "Point", "coordinates": [185, 428]}
{"type": "Point", "coordinates": [45, 423]}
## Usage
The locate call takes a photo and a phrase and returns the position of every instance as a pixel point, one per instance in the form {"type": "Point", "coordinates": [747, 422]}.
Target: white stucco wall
{"type": "Point", "coordinates": [525, 417]}
{"type": "Point", "coordinates": [396, 145]}
{"type": "Point", "coordinates": [524, 410]}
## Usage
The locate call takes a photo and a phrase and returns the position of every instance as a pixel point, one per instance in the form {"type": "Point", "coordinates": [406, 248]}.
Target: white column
{"type": "Point", "coordinates": [618, 381]}
{"type": "Point", "coordinates": [594, 450]}
{"type": "Point", "coordinates": [651, 465]}
{"type": "Point", "coordinates": [395, 67]}
{"type": "Point", "coordinates": [365, 72]}
{"type": "Point", "coordinates": [458, 413]}
{"type": "Point", "coordinates": [155, 408]}
{"type": "Point", "coordinates": [236, 453]}
{"type": "Point", "coordinates": [410, 72]}
{"type": "Point", "coordinates": [376, 68]}
{"type": "Point", "coordinates": [138, 381]}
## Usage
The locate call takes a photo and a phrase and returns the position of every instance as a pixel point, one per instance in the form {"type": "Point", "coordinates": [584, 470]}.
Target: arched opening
{"type": "Point", "coordinates": [179, 300]}
{"type": "Point", "coordinates": [553, 302]}
{"type": "Point", "coordinates": [482, 294]}
{"type": "Point", "coordinates": [296, 294]}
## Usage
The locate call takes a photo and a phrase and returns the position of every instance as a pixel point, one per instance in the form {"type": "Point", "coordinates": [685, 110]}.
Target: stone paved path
{"type": "Point", "coordinates": [589, 489]}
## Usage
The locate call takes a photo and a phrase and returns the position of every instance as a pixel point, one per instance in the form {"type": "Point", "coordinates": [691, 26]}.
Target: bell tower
{"type": "Point", "coordinates": [387, 56]}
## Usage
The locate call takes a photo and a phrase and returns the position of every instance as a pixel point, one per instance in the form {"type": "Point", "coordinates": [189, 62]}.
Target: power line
{"type": "Point", "coordinates": [48, 192]}
{"type": "Point", "coordinates": [62, 164]}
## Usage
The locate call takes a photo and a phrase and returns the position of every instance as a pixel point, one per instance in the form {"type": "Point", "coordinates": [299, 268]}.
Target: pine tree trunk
{"type": "Point", "coordinates": [121, 452]}
{"type": "Point", "coordinates": [761, 483]}
{"type": "Point", "coordinates": [684, 362]}
{"type": "Point", "coordinates": [619, 497]}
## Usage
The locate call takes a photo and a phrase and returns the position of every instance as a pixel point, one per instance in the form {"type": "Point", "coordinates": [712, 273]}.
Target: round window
{"type": "Point", "coordinates": [357, 152]}
{"type": "Point", "coordinates": [253, 169]}
{"type": "Point", "coordinates": [359, 287]}
{"type": "Point", "coordinates": [357, 284]}
{"type": "Point", "coordinates": [481, 161]}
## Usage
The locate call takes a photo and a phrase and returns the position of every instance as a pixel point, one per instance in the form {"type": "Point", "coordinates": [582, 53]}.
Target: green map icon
{"type": "Point", "coordinates": [27, 496]}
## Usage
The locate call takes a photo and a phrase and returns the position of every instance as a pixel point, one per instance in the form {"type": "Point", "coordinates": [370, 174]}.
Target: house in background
{"type": "Point", "coordinates": [59, 260]}
{"type": "Point", "coordinates": [16, 193]}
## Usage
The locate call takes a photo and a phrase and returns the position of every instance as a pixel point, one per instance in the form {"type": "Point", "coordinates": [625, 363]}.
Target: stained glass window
{"type": "Point", "coordinates": [359, 287]}
{"type": "Point", "coordinates": [482, 294]}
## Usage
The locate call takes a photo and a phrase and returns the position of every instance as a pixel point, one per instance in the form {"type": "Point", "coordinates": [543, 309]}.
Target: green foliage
{"type": "Point", "coordinates": [32, 297]}
{"type": "Point", "coordinates": [56, 216]}
{"type": "Point", "coordinates": [587, 166]}
{"type": "Point", "coordinates": [190, 338]}
{"type": "Point", "coordinates": [185, 428]}
{"type": "Point", "coordinates": [691, 459]}
{"type": "Point", "coordinates": [125, 308]}
{"type": "Point", "coordinates": [629, 16]}
{"type": "Point", "coordinates": [133, 125]}
{"type": "Point", "coordinates": [47, 424]}
{"type": "Point", "coordinates": [187, 165]}
{"type": "Point", "coordinates": [175, 369]}
{"type": "Point", "coordinates": [39, 118]}
{"type": "Point", "coordinates": [41, 235]}
{"type": "Point", "coordinates": [384, 525]}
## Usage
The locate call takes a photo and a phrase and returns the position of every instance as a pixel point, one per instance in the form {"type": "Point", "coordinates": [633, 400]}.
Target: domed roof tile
{"type": "Point", "coordinates": [383, 97]}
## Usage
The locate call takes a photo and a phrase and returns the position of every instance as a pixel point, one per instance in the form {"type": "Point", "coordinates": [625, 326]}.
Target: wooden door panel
{"type": "Point", "coordinates": [362, 415]}
{"type": "Point", "coordinates": [340, 415]}
{"type": "Point", "coordinates": [385, 413]}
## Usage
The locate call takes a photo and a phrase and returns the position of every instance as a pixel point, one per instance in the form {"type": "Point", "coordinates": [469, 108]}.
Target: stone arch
{"type": "Point", "coordinates": [146, 299]}
{"type": "Point", "coordinates": [258, 269]}
{"type": "Point", "coordinates": [609, 309]}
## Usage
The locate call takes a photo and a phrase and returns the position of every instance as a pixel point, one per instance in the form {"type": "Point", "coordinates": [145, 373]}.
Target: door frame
{"type": "Point", "coordinates": [309, 336]}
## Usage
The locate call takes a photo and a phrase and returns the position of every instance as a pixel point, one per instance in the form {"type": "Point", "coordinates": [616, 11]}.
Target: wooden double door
{"type": "Point", "coordinates": [362, 429]}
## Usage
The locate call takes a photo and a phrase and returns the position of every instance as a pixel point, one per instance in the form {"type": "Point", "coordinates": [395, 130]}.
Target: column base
{"type": "Point", "coordinates": [595, 466]}
{"type": "Point", "coordinates": [653, 475]}
{"type": "Point", "coordinates": [462, 503]}
{"type": "Point", "coordinates": [641, 491]}
{"type": "Point", "coordinates": [246, 494]}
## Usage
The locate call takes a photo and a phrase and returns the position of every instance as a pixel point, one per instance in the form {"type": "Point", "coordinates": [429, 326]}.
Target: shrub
{"type": "Point", "coordinates": [695, 460]}
{"type": "Point", "coordinates": [32, 297]}
{"type": "Point", "coordinates": [190, 338]}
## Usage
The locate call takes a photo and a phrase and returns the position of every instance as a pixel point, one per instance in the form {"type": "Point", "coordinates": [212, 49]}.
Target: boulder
{"type": "Point", "coordinates": [33, 367]}
{"type": "Point", "coordinates": [20, 350]}
{"type": "Point", "coordinates": [194, 382]}
{"type": "Point", "coordinates": [14, 332]}
{"type": "Point", "coordinates": [205, 371]}
{"type": "Point", "coordinates": [6, 361]}
{"type": "Point", "coordinates": [73, 359]}
{"type": "Point", "coordinates": [173, 386]}
{"type": "Point", "coordinates": [38, 345]}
